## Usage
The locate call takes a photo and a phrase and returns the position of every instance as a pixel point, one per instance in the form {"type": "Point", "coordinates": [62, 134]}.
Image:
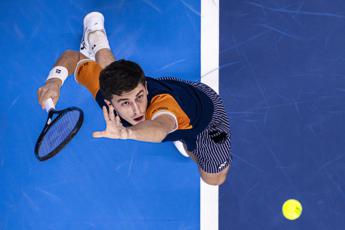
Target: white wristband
{"type": "Point", "coordinates": [59, 72]}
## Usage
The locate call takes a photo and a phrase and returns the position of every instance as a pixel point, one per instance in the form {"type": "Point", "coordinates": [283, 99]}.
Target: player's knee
{"type": "Point", "coordinates": [218, 180]}
{"type": "Point", "coordinates": [69, 53]}
{"type": "Point", "coordinates": [214, 178]}
{"type": "Point", "coordinates": [222, 179]}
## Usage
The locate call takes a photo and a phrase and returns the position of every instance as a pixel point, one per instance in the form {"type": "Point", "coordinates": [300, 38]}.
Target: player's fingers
{"type": "Point", "coordinates": [43, 96]}
{"type": "Point", "coordinates": [99, 134]}
{"type": "Point", "coordinates": [39, 92]}
{"type": "Point", "coordinates": [39, 97]}
{"type": "Point", "coordinates": [111, 113]}
{"type": "Point", "coordinates": [105, 114]}
{"type": "Point", "coordinates": [107, 102]}
{"type": "Point", "coordinates": [45, 93]}
{"type": "Point", "coordinates": [118, 120]}
{"type": "Point", "coordinates": [55, 99]}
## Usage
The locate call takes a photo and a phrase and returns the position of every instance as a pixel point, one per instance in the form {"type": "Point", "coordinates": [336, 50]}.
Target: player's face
{"type": "Point", "coordinates": [132, 105]}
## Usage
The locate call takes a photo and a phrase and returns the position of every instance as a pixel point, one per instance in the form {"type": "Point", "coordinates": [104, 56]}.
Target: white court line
{"type": "Point", "coordinates": [209, 64]}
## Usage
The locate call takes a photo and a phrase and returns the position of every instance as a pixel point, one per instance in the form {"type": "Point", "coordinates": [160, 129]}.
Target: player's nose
{"type": "Point", "coordinates": [135, 108]}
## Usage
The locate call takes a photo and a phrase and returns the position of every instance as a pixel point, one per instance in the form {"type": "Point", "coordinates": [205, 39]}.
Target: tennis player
{"type": "Point", "coordinates": [138, 107]}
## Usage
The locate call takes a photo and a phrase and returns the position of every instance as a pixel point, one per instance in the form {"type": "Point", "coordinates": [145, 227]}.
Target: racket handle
{"type": "Point", "coordinates": [49, 105]}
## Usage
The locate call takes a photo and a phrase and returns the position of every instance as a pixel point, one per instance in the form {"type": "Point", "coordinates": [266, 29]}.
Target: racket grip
{"type": "Point", "coordinates": [49, 105]}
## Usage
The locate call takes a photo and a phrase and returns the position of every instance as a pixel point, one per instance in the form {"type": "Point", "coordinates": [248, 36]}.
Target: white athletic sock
{"type": "Point", "coordinates": [98, 40]}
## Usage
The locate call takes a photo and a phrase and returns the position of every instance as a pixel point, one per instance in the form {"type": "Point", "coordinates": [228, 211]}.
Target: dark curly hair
{"type": "Point", "coordinates": [119, 77]}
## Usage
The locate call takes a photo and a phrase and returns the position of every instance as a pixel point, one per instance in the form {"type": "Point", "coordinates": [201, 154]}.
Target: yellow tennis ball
{"type": "Point", "coordinates": [292, 209]}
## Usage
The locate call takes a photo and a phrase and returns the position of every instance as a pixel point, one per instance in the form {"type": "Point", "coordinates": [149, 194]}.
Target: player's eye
{"type": "Point", "coordinates": [125, 103]}
{"type": "Point", "coordinates": [140, 97]}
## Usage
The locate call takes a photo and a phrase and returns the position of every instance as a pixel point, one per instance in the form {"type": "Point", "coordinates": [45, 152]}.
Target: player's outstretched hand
{"type": "Point", "coordinates": [114, 128]}
{"type": "Point", "coordinates": [50, 90]}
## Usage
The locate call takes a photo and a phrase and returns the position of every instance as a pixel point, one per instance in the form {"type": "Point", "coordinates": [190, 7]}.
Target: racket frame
{"type": "Point", "coordinates": [49, 123]}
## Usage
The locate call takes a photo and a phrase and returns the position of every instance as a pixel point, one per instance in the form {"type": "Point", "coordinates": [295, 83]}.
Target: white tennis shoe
{"type": "Point", "coordinates": [93, 21]}
{"type": "Point", "coordinates": [180, 148]}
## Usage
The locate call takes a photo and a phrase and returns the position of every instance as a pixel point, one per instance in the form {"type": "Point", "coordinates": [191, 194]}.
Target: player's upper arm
{"type": "Point", "coordinates": [167, 109]}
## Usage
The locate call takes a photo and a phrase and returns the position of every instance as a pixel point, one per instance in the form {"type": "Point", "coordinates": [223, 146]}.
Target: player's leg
{"type": "Point", "coordinates": [209, 178]}
{"type": "Point", "coordinates": [104, 57]}
{"type": "Point", "coordinates": [95, 44]}
{"type": "Point", "coordinates": [214, 178]}
{"type": "Point", "coordinates": [96, 50]}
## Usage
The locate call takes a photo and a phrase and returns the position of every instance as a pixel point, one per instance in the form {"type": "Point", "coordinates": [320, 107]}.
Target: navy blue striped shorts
{"type": "Point", "coordinates": [213, 145]}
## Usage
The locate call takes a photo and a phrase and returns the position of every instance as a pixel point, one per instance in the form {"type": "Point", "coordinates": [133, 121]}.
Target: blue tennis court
{"type": "Point", "coordinates": [281, 74]}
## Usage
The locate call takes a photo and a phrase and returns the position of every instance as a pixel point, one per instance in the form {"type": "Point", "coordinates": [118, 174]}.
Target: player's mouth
{"type": "Point", "coordinates": [137, 119]}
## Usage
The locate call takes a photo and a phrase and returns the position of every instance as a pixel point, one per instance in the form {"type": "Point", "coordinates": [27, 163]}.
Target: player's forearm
{"type": "Point", "coordinates": [148, 131]}
{"type": "Point", "coordinates": [69, 59]}
{"type": "Point", "coordinates": [58, 75]}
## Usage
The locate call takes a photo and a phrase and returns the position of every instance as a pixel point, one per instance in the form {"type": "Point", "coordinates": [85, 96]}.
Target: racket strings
{"type": "Point", "coordinates": [59, 132]}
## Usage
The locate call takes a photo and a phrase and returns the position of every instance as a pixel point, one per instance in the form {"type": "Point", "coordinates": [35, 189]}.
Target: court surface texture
{"type": "Point", "coordinates": [279, 68]}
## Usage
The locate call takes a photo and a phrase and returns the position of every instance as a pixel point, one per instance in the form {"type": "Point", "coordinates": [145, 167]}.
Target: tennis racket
{"type": "Point", "coordinates": [58, 131]}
